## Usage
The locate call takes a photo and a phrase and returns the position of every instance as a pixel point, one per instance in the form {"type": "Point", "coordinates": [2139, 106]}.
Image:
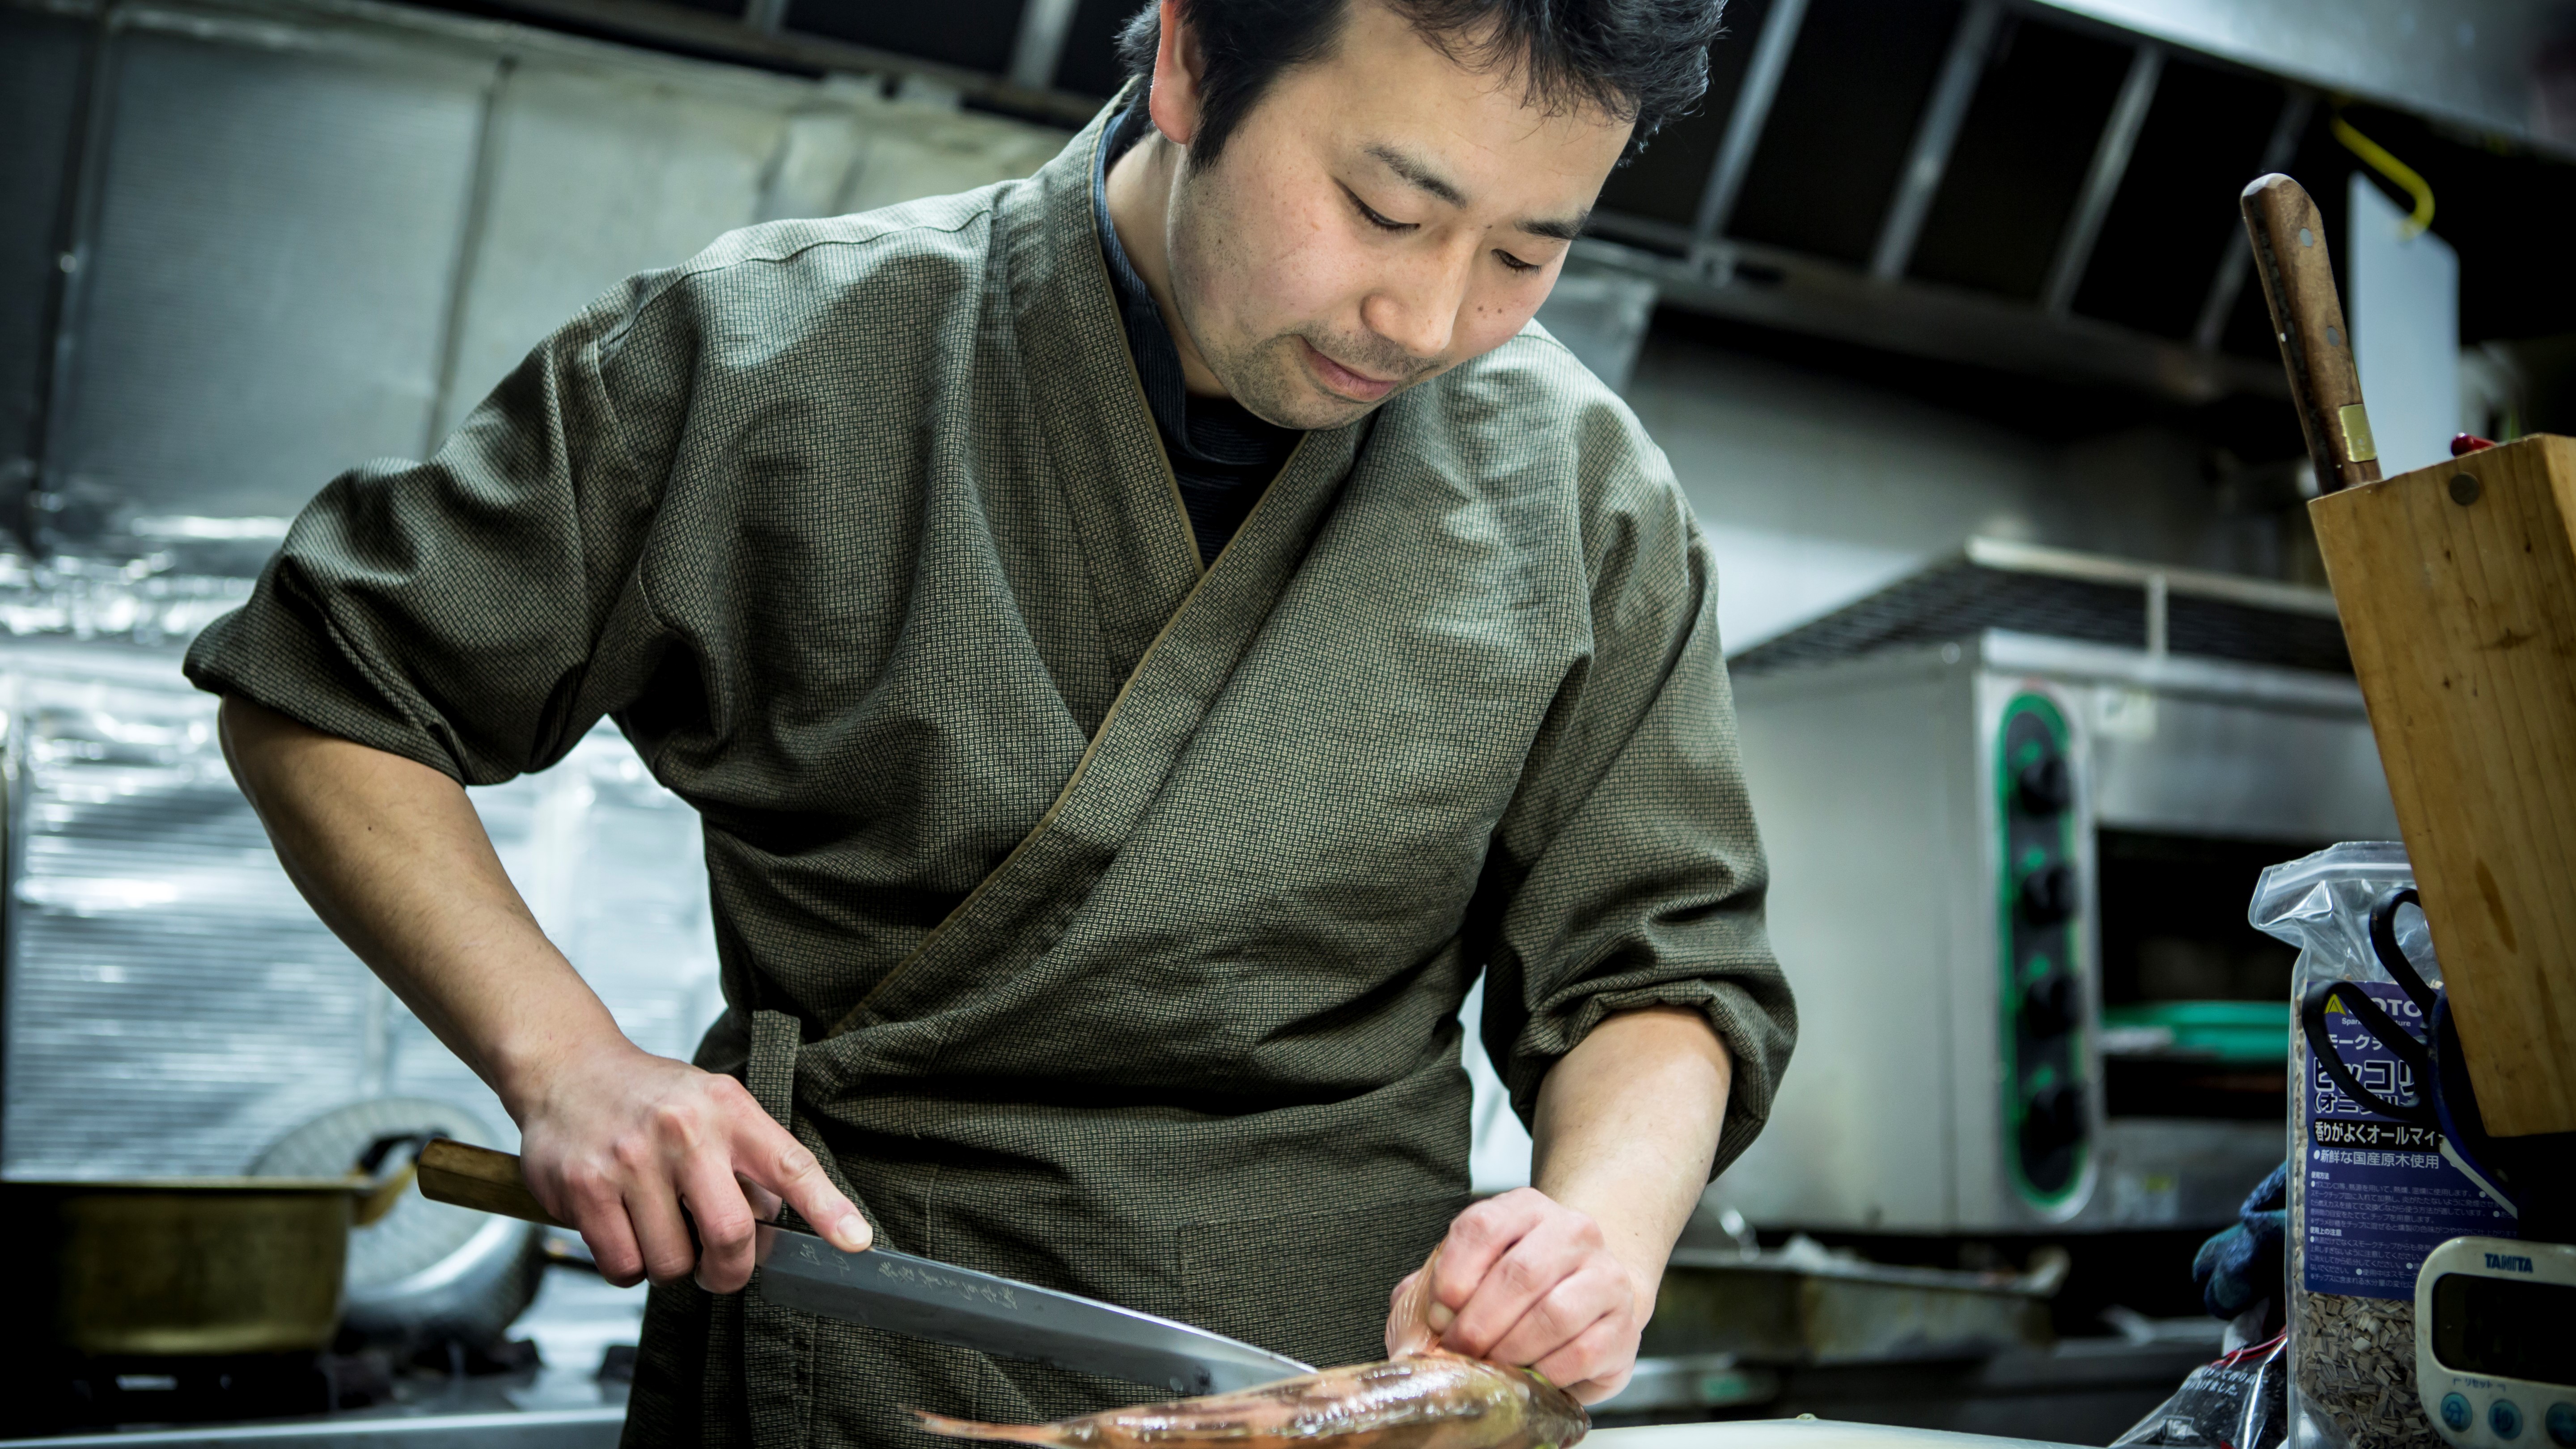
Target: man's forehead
{"type": "Point", "coordinates": [1391, 67]}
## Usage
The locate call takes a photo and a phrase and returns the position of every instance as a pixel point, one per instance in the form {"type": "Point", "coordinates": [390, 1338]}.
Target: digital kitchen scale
{"type": "Point", "coordinates": [2495, 1343]}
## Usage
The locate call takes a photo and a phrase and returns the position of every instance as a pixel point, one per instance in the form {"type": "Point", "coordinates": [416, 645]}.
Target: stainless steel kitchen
{"type": "Point", "coordinates": [1188, 724]}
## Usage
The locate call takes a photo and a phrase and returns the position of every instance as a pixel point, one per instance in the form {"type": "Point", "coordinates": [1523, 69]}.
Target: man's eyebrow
{"type": "Point", "coordinates": [1423, 178]}
{"type": "Point", "coordinates": [1564, 229]}
{"type": "Point", "coordinates": [1419, 175]}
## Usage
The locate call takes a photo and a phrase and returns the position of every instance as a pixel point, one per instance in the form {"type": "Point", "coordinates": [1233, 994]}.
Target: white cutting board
{"type": "Point", "coordinates": [1796, 1434]}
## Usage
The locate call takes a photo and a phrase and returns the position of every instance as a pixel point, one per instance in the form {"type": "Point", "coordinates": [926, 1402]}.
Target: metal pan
{"type": "Point", "coordinates": [188, 1267]}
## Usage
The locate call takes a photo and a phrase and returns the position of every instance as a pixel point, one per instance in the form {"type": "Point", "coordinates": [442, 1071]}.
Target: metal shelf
{"type": "Point", "coordinates": [1750, 282]}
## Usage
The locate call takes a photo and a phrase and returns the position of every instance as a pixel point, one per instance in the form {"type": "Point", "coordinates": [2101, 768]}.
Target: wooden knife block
{"type": "Point", "coordinates": [2457, 587]}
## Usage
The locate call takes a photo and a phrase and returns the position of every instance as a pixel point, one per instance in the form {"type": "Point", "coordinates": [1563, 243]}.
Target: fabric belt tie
{"type": "Point", "coordinates": [778, 1343]}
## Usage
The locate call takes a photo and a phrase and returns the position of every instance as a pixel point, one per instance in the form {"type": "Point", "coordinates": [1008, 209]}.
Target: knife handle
{"type": "Point", "coordinates": [480, 1178]}
{"type": "Point", "coordinates": [2289, 240]}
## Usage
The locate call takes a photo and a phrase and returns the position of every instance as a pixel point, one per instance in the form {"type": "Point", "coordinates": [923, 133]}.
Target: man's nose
{"type": "Point", "coordinates": [1419, 310]}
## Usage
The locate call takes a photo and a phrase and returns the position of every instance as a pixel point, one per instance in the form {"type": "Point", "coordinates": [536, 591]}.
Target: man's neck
{"type": "Point", "coordinates": [1140, 195]}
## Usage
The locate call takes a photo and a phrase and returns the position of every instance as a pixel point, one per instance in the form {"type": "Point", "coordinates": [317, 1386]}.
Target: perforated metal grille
{"type": "Point", "coordinates": [1962, 598]}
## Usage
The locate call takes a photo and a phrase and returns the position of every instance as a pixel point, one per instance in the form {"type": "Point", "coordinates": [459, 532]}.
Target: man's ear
{"type": "Point", "coordinates": [1174, 101]}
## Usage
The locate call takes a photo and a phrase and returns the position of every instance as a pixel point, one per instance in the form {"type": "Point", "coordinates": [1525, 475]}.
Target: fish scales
{"type": "Point", "coordinates": [1432, 1400]}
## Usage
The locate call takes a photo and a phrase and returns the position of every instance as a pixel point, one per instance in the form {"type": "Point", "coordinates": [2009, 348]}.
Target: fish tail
{"type": "Point", "coordinates": [1051, 1434]}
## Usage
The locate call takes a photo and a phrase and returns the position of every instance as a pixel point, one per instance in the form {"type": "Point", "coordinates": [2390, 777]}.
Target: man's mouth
{"type": "Point", "coordinates": [1342, 381]}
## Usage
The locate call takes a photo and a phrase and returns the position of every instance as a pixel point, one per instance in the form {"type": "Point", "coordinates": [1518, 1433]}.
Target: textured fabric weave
{"type": "Point", "coordinates": [1099, 919]}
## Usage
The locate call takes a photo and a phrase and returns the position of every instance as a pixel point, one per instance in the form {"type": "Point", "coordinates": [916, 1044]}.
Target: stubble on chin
{"type": "Point", "coordinates": [1275, 382]}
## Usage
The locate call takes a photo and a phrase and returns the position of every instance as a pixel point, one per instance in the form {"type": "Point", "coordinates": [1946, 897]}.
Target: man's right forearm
{"type": "Point", "coordinates": [393, 858]}
{"type": "Point", "coordinates": [663, 1167]}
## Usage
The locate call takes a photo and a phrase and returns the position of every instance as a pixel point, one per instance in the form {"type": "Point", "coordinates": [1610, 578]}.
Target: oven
{"type": "Point", "coordinates": [2010, 877]}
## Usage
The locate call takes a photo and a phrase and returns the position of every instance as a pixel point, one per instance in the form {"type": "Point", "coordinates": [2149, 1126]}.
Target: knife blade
{"type": "Point", "coordinates": [922, 1298]}
{"type": "Point", "coordinates": [926, 1299]}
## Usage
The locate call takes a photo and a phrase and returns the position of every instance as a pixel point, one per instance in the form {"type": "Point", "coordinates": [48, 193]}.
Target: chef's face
{"type": "Point", "coordinates": [1379, 216]}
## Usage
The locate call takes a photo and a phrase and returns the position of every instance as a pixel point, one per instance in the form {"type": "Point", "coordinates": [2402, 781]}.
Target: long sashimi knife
{"type": "Point", "coordinates": [922, 1298]}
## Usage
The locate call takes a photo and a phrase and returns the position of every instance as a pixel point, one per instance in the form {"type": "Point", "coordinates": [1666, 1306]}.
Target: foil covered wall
{"type": "Point", "coordinates": [172, 1004]}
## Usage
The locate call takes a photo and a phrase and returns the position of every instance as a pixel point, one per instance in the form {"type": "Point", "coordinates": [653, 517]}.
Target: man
{"type": "Point", "coordinates": [1141, 639]}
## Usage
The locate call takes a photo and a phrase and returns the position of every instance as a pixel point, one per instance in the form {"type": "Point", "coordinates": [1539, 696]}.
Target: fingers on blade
{"type": "Point", "coordinates": [653, 1206]}
{"type": "Point", "coordinates": [724, 1222]}
{"type": "Point", "coordinates": [764, 1203]}
{"type": "Point", "coordinates": [770, 1156]}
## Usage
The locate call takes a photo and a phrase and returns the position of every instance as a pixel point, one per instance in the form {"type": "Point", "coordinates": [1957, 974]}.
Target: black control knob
{"type": "Point", "coordinates": [2048, 1004]}
{"type": "Point", "coordinates": [2052, 1118]}
{"type": "Point", "coordinates": [2045, 785]}
{"type": "Point", "coordinates": [2048, 894]}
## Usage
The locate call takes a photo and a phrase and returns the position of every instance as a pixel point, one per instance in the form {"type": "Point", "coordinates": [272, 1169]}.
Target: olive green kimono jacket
{"type": "Point", "coordinates": [1101, 920]}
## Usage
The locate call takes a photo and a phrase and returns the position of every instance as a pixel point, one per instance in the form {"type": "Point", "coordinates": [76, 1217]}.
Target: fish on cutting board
{"type": "Point", "coordinates": [1432, 1400]}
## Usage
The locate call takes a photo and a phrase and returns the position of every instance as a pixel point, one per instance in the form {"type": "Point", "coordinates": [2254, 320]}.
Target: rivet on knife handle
{"type": "Point", "coordinates": [480, 1178]}
{"type": "Point", "coordinates": [2289, 242]}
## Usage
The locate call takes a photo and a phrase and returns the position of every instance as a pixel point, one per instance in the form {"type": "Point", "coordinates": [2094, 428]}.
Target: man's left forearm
{"type": "Point", "coordinates": [1627, 1127]}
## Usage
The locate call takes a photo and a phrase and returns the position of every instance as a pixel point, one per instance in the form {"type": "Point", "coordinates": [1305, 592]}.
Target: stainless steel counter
{"type": "Point", "coordinates": [1797, 1434]}
{"type": "Point", "coordinates": [584, 1429]}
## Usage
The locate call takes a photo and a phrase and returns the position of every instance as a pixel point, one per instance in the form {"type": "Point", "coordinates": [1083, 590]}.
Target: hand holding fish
{"type": "Point", "coordinates": [1562, 1276]}
{"type": "Point", "coordinates": [1523, 1279]}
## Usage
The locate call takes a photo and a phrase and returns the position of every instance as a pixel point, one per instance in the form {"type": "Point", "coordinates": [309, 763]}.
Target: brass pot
{"type": "Point", "coordinates": [189, 1266]}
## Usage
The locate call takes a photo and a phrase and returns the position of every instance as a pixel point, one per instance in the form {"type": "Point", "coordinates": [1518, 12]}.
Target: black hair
{"type": "Point", "coordinates": [1640, 60]}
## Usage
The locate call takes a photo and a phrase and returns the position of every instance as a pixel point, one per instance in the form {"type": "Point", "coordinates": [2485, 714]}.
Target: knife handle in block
{"type": "Point", "coordinates": [2289, 241]}
{"type": "Point", "coordinates": [480, 1178]}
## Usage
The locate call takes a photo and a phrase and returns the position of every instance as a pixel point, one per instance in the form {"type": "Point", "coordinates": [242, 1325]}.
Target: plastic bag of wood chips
{"type": "Point", "coordinates": [2237, 1402]}
{"type": "Point", "coordinates": [2369, 1195]}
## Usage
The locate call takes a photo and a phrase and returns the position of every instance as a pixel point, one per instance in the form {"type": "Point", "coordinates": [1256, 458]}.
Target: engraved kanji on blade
{"type": "Point", "coordinates": [920, 1298]}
